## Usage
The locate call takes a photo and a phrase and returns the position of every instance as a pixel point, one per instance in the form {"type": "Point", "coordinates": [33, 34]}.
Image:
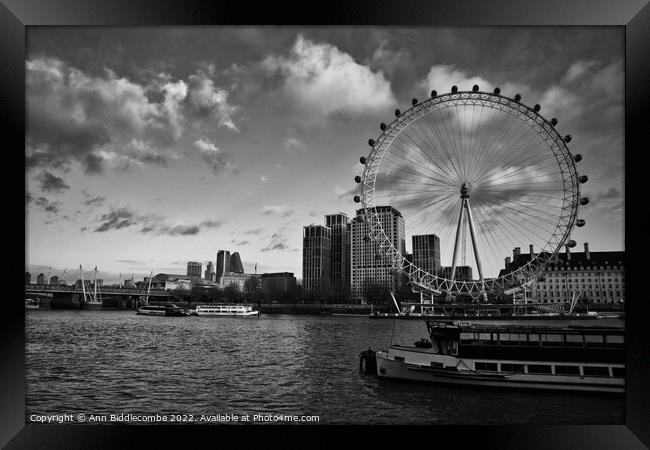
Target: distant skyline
{"type": "Point", "coordinates": [150, 147]}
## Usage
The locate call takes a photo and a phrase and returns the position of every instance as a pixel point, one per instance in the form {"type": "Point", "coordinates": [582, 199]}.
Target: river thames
{"type": "Point", "coordinates": [116, 362]}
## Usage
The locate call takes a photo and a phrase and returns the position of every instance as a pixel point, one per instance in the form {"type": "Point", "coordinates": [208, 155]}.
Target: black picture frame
{"type": "Point", "coordinates": [633, 15]}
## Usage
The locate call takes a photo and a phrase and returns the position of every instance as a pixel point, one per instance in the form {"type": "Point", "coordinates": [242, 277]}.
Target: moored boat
{"type": "Point", "coordinates": [163, 310]}
{"type": "Point", "coordinates": [577, 358]}
{"type": "Point", "coordinates": [32, 303]}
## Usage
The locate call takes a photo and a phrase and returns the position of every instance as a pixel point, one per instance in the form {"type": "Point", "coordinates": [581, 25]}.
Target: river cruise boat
{"type": "Point", "coordinates": [225, 310]}
{"type": "Point", "coordinates": [162, 310]}
{"type": "Point", "coordinates": [577, 358]}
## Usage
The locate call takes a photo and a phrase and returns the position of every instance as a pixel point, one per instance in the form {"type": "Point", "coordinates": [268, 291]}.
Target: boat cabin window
{"type": "Point", "coordinates": [539, 368]}
{"type": "Point", "coordinates": [514, 368]}
{"type": "Point", "coordinates": [574, 340]}
{"type": "Point", "coordinates": [618, 372]}
{"type": "Point", "coordinates": [595, 371]}
{"type": "Point", "coordinates": [594, 340]}
{"type": "Point", "coordinates": [399, 358]}
{"type": "Point", "coordinates": [567, 370]}
{"type": "Point", "coordinates": [485, 366]}
{"type": "Point", "coordinates": [551, 339]}
{"type": "Point", "coordinates": [615, 341]}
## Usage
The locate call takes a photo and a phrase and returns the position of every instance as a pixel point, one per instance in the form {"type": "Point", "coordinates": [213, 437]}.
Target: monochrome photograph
{"type": "Point", "coordinates": [325, 225]}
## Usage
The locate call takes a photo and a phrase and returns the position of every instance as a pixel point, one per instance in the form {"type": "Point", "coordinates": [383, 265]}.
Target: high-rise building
{"type": "Point", "coordinates": [372, 271]}
{"type": "Point", "coordinates": [235, 265]}
{"type": "Point", "coordinates": [223, 264]}
{"type": "Point", "coordinates": [40, 279]}
{"type": "Point", "coordinates": [209, 271]}
{"type": "Point", "coordinates": [339, 224]}
{"type": "Point", "coordinates": [28, 278]}
{"type": "Point", "coordinates": [316, 247]}
{"type": "Point", "coordinates": [194, 269]}
{"type": "Point", "coordinates": [595, 277]}
{"type": "Point", "coordinates": [54, 280]}
{"type": "Point", "coordinates": [463, 273]}
{"type": "Point", "coordinates": [426, 252]}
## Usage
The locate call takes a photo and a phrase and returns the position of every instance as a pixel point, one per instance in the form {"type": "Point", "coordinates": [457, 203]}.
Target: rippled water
{"type": "Point", "coordinates": [110, 362]}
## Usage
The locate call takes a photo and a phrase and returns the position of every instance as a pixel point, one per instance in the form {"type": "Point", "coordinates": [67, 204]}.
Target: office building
{"type": "Point", "coordinates": [426, 253]}
{"type": "Point", "coordinates": [372, 271]}
{"type": "Point", "coordinates": [223, 264]}
{"type": "Point", "coordinates": [339, 225]}
{"type": "Point", "coordinates": [194, 269]}
{"type": "Point", "coordinates": [278, 284]}
{"type": "Point", "coordinates": [316, 250]}
{"type": "Point", "coordinates": [209, 271]}
{"type": "Point", "coordinates": [235, 265]}
{"type": "Point", "coordinates": [463, 273]}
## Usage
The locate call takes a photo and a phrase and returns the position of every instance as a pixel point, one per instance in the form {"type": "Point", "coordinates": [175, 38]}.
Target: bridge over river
{"type": "Point", "coordinates": [64, 296]}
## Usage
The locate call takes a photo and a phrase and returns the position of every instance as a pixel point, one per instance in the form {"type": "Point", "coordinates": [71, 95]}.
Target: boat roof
{"type": "Point", "coordinates": [511, 328]}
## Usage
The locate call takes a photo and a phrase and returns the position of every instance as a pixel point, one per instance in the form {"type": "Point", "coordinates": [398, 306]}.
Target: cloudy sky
{"type": "Point", "coordinates": [150, 147]}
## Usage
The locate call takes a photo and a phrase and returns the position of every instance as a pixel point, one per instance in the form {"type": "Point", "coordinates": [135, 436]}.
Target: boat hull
{"type": "Point", "coordinates": [389, 368]}
{"type": "Point", "coordinates": [151, 313]}
{"type": "Point", "coordinates": [244, 314]}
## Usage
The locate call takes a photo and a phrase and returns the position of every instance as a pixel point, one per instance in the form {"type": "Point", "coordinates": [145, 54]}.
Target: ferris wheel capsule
{"type": "Point", "coordinates": [517, 98]}
{"type": "Point", "coordinates": [475, 88]}
{"type": "Point", "coordinates": [571, 243]}
{"type": "Point", "coordinates": [584, 201]}
{"type": "Point", "coordinates": [414, 101]}
{"type": "Point", "coordinates": [454, 89]}
{"type": "Point", "coordinates": [580, 222]}
{"type": "Point", "coordinates": [567, 138]}
{"type": "Point", "coordinates": [497, 90]}
{"type": "Point", "coordinates": [553, 121]}
{"type": "Point", "coordinates": [434, 94]}
{"type": "Point", "coordinates": [371, 142]}
{"type": "Point", "coordinates": [577, 157]}
{"type": "Point", "coordinates": [397, 113]}
{"type": "Point", "coordinates": [536, 108]}
{"type": "Point", "coordinates": [382, 126]}
{"type": "Point", "coordinates": [583, 179]}
{"type": "Point", "coordinates": [357, 179]}
{"type": "Point", "coordinates": [357, 199]}
{"type": "Point", "coordinates": [362, 160]}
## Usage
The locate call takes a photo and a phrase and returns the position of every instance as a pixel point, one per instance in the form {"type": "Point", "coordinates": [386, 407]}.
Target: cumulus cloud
{"type": "Point", "coordinates": [320, 77]}
{"type": "Point", "coordinates": [264, 179]}
{"type": "Point", "coordinates": [52, 183]}
{"type": "Point", "coordinates": [207, 100]}
{"type": "Point", "coordinates": [119, 218]}
{"type": "Point", "coordinates": [95, 120]}
{"type": "Point", "coordinates": [388, 59]}
{"type": "Point", "coordinates": [219, 161]}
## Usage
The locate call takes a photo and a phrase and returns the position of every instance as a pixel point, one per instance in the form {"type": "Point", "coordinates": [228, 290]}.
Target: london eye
{"type": "Point", "coordinates": [486, 174]}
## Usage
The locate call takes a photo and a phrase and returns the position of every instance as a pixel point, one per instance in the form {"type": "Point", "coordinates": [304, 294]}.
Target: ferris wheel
{"type": "Point", "coordinates": [472, 166]}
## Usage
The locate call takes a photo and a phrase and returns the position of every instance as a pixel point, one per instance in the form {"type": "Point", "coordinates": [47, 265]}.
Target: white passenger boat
{"type": "Point", "coordinates": [225, 310]}
{"type": "Point", "coordinates": [534, 357]}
